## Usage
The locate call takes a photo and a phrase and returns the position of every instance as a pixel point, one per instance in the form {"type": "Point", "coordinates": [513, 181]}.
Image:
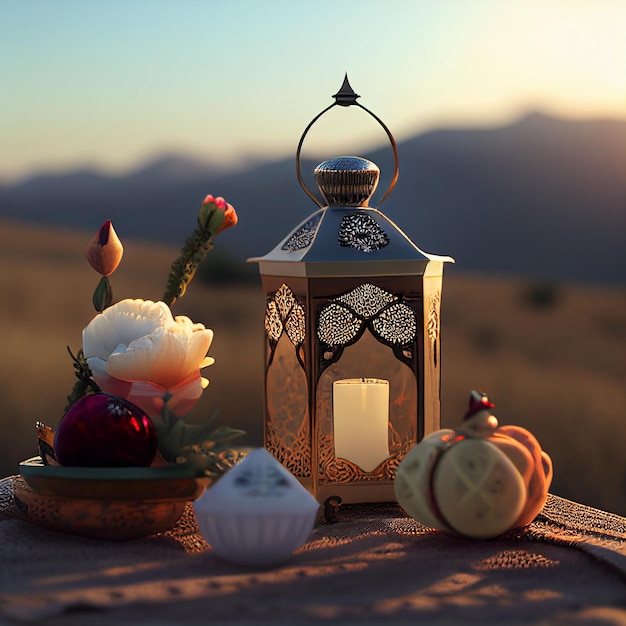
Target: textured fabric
{"type": "Point", "coordinates": [374, 565]}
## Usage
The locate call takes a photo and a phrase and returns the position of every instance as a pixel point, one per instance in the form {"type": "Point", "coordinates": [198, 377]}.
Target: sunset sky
{"type": "Point", "coordinates": [110, 83]}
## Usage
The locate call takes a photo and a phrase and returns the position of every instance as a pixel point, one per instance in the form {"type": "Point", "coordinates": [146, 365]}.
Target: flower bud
{"type": "Point", "coordinates": [216, 215]}
{"type": "Point", "coordinates": [230, 218]}
{"type": "Point", "coordinates": [105, 250]}
{"type": "Point", "coordinates": [219, 201]}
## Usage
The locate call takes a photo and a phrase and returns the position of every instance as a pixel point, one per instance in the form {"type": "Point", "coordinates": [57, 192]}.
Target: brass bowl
{"type": "Point", "coordinates": [106, 503]}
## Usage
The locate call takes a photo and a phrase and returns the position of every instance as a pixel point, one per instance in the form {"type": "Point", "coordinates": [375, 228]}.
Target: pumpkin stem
{"type": "Point", "coordinates": [478, 402]}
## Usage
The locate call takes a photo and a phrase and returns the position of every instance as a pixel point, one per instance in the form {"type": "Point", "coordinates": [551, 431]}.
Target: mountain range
{"type": "Point", "coordinates": [542, 197]}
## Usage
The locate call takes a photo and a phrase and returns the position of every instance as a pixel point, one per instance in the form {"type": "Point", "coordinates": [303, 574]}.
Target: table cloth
{"type": "Point", "coordinates": [373, 565]}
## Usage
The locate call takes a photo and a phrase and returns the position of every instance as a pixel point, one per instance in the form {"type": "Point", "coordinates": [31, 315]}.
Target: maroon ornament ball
{"type": "Point", "coordinates": [101, 430]}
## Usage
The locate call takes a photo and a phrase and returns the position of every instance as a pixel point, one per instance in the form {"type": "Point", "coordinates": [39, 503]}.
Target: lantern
{"type": "Point", "coordinates": [352, 370]}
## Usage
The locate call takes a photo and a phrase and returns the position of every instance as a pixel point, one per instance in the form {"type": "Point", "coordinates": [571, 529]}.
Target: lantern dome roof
{"type": "Point", "coordinates": [348, 231]}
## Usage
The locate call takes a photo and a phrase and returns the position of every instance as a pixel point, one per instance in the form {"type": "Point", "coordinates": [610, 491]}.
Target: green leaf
{"type": "Point", "coordinates": [200, 445]}
{"type": "Point", "coordinates": [205, 213]}
{"type": "Point", "coordinates": [85, 384]}
{"type": "Point", "coordinates": [196, 434]}
{"type": "Point", "coordinates": [215, 221]}
{"type": "Point", "coordinates": [222, 434]}
{"type": "Point", "coordinates": [170, 439]}
{"type": "Point", "coordinates": [102, 295]}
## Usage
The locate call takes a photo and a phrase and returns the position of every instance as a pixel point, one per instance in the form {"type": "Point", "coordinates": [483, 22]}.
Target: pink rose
{"type": "Point", "coordinates": [137, 350]}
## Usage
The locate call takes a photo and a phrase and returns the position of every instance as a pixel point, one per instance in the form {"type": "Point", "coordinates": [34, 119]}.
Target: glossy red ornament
{"type": "Point", "coordinates": [101, 430]}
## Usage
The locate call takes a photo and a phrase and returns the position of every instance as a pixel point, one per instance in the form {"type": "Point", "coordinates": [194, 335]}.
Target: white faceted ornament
{"type": "Point", "coordinates": [257, 513]}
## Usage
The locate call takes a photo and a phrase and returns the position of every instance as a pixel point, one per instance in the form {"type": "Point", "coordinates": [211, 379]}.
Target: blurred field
{"type": "Point", "coordinates": [552, 357]}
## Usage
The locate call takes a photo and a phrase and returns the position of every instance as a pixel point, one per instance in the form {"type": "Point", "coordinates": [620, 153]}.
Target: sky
{"type": "Point", "coordinates": [109, 84]}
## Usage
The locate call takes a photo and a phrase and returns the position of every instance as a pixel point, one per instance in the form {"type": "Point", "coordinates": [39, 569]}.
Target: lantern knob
{"type": "Point", "coordinates": [347, 180]}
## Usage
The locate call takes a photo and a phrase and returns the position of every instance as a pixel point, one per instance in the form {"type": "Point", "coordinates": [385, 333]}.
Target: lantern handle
{"type": "Point", "coordinates": [346, 97]}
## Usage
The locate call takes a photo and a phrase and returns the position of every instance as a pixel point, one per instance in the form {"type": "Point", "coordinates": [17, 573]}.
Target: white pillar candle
{"type": "Point", "coordinates": [361, 421]}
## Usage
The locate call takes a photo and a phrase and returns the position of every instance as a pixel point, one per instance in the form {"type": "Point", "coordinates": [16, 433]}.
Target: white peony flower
{"type": "Point", "coordinates": [137, 350]}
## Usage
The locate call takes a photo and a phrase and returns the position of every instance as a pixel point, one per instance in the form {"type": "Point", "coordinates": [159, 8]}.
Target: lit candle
{"type": "Point", "coordinates": [361, 421]}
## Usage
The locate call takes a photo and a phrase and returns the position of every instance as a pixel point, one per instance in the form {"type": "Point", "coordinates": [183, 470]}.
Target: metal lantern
{"type": "Point", "coordinates": [352, 372]}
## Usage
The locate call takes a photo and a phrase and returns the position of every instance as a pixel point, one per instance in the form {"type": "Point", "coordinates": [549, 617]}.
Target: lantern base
{"type": "Point", "coordinates": [355, 493]}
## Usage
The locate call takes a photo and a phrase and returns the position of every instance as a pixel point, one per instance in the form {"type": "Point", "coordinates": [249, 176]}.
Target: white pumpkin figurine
{"type": "Point", "coordinates": [257, 513]}
{"type": "Point", "coordinates": [480, 480]}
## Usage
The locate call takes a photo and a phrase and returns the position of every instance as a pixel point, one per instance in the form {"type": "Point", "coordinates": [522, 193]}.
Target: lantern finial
{"type": "Point", "coordinates": [346, 95]}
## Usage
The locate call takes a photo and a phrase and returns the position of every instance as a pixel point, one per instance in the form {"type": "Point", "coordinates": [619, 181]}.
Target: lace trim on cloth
{"type": "Point", "coordinates": [8, 509]}
{"type": "Point", "coordinates": [599, 533]}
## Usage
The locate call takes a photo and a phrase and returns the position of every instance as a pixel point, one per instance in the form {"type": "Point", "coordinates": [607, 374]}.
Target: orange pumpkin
{"type": "Point", "coordinates": [479, 480]}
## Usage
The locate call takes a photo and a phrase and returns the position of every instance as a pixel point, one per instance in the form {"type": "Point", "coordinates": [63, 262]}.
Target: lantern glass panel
{"type": "Point", "coordinates": [288, 427]}
{"type": "Point", "coordinates": [367, 358]}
